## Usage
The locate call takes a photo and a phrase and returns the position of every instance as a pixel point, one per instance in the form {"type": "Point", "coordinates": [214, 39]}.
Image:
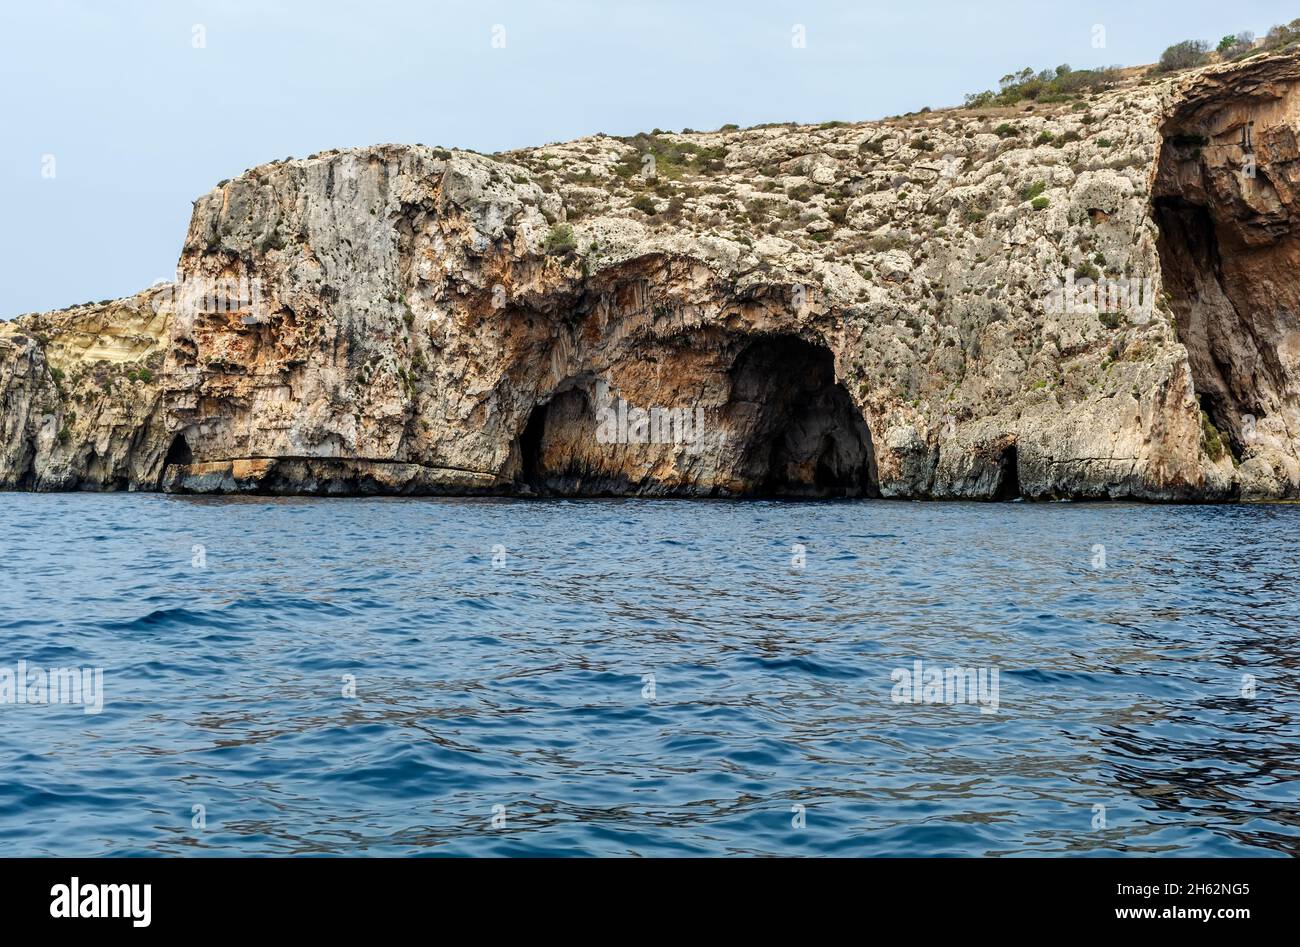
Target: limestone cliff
{"type": "Point", "coordinates": [896, 308]}
{"type": "Point", "coordinates": [81, 397]}
{"type": "Point", "coordinates": [1226, 196]}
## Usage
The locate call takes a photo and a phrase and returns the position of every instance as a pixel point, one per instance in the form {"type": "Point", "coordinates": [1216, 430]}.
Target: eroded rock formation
{"type": "Point", "coordinates": [81, 402]}
{"type": "Point", "coordinates": [1226, 195]}
{"type": "Point", "coordinates": [882, 309]}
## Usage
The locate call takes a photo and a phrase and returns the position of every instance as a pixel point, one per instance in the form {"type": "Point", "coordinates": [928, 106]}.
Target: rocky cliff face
{"type": "Point", "coordinates": [1226, 195]}
{"type": "Point", "coordinates": [1090, 299]}
{"type": "Point", "coordinates": [81, 397]}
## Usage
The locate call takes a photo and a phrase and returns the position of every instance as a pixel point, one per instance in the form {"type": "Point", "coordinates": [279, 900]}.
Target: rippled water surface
{"type": "Point", "coordinates": [525, 683]}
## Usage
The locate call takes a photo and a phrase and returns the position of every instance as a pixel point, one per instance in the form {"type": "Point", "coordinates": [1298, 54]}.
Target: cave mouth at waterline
{"type": "Point", "coordinates": [179, 452]}
{"type": "Point", "coordinates": [765, 418]}
{"type": "Point", "coordinates": [807, 438]}
{"type": "Point", "coordinates": [1008, 487]}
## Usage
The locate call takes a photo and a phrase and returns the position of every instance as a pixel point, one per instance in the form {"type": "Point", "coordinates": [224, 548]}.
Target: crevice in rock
{"type": "Point", "coordinates": [548, 464]}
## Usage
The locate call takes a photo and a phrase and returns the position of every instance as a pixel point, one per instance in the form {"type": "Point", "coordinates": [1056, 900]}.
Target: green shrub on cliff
{"type": "Point", "coordinates": [560, 240]}
{"type": "Point", "coordinates": [1280, 36]}
{"type": "Point", "coordinates": [672, 158]}
{"type": "Point", "coordinates": [1213, 439]}
{"type": "Point", "coordinates": [1188, 54]}
{"type": "Point", "coordinates": [1234, 45]}
{"type": "Point", "coordinates": [1194, 52]}
{"type": "Point", "coordinates": [1049, 85]}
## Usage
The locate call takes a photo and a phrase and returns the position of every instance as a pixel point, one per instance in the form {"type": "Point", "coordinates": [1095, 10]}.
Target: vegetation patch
{"type": "Point", "coordinates": [1211, 438]}
{"type": "Point", "coordinates": [672, 159]}
{"type": "Point", "coordinates": [560, 240]}
{"type": "Point", "coordinates": [1188, 54]}
{"type": "Point", "coordinates": [1048, 85]}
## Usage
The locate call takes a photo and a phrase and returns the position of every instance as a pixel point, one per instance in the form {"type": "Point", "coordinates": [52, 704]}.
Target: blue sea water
{"type": "Point", "coordinates": [640, 677]}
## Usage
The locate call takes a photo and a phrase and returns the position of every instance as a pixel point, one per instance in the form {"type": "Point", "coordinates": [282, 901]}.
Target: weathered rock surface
{"type": "Point", "coordinates": [81, 397]}
{"type": "Point", "coordinates": [1226, 193]}
{"type": "Point", "coordinates": [810, 310]}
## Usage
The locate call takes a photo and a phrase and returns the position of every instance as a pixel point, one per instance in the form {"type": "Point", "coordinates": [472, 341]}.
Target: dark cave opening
{"type": "Point", "coordinates": [806, 437]}
{"type": "Point", "coordinates": [768, 418]}
{"type": "Point", "coordinates": [1189, 257]}
{"type": "Point", "coordinates": [554, 446]}
{"type": "Point", "coordinates": [530, 446]}
{"type": "Point", "coordinates": [1204, 314]}
{"type": "Point", "coordinates": [178, 453]}
{"type": "Point", "coordinates": [1008, 476]}
{"type": "Point", "coordinates": [27, 479]}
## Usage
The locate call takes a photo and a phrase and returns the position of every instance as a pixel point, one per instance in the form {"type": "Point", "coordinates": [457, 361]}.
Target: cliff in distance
{"type": "Point", "coordinates": [1088, 299]}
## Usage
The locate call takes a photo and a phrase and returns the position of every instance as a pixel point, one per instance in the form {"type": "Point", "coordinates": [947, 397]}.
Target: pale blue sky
{"type": "Point", "coordinates": [140, 122]}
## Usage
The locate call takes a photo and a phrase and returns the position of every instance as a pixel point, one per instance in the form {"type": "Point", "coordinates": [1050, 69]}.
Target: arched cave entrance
{"type": "Point", "coordinates": [179, 452]}
{"type": "Point", "coordinates": [766, 418]}
{"type": "Point", "coordinates": [556, 450]}
{"type": "Point", "coordinates": [803, 434]}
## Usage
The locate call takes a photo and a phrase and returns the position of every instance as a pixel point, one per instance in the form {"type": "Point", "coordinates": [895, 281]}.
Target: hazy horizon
{"type": "Point", "coordinates": [137, 118]}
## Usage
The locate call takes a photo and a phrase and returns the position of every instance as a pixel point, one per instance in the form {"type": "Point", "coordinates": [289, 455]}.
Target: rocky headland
{"type": "Point", "coordinates": [1094, 298]}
